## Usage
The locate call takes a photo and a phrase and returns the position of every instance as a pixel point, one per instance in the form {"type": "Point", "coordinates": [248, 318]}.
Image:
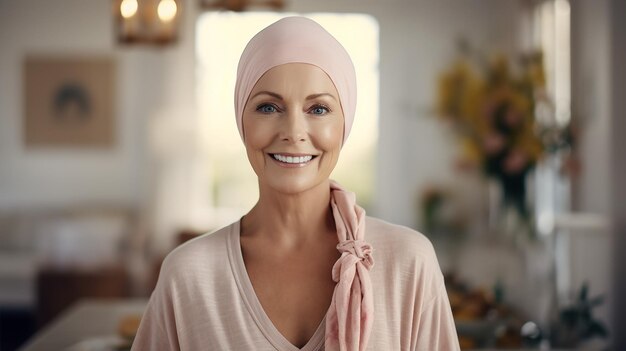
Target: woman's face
{"type": "Point", "coordinates": [293, 127]}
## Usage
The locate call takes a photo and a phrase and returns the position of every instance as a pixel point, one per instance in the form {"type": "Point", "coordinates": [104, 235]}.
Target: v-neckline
{"type": "Point", "coordinates": [272, 334]}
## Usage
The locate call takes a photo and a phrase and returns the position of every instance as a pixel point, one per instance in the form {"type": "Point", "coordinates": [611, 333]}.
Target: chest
{"type": "Point", "coordinates": [295, 291]}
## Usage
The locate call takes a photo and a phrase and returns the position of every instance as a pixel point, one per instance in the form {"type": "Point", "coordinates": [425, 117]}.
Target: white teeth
{"type": "Point", "coordinates": [291, 159]}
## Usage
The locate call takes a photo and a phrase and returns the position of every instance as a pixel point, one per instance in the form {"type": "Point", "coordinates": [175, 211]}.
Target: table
{"type": "Point", "coordinates": [87, 318]}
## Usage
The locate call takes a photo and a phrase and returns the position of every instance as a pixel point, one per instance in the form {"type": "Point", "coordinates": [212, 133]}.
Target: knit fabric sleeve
{"type": "Point", "coordinates": [157, 330]}
{"type": "Point", "coordinates": [436, 328]}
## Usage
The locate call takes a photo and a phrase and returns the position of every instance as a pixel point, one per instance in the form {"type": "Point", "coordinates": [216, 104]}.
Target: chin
{"type": "Point", "coordinates": [293, 186]}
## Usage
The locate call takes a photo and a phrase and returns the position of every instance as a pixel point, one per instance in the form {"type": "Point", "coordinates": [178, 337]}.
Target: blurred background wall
{"type": "Point", "coordinates": [38, 178]}
{"type": "Point", "coordinates": [152, 80]}
{"type": "Point", "coordinates": [416, 41]}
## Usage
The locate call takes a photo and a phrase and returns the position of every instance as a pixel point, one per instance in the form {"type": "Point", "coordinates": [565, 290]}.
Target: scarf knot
{"type": "Point", "coordinates": [359, 248]}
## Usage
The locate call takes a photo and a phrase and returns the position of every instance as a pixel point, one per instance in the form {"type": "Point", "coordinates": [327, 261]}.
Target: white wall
{"type": "Point", "coordinates": [591, 101]}
{"type": "Point", "coordinates": [618, 169]}
{"type": "Point", "coordinates": [416, 42]}
{"type": "Point", "coordinates": [598, 53]}
{"type": "Point", "coordinates": [65, 177]}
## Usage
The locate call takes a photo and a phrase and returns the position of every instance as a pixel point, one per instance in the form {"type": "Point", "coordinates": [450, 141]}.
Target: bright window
{"type": "Point", "coordinates": [551, 34]}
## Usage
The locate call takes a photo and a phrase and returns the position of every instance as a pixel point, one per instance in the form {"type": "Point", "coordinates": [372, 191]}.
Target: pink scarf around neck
{"type": "Point", "coordinates": [349, 320]}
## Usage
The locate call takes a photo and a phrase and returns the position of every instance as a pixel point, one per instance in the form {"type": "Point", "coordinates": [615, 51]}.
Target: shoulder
{"type": "Point", "coordinates": [404, 257]}
{"type": "Point", "coordinates": [402, 241]}
{"type": "Point", "coordinates": [198, 256]}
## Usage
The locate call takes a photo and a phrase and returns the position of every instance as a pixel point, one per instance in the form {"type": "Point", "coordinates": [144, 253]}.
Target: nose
{"type": "Point", "coordinates": [294, 127]}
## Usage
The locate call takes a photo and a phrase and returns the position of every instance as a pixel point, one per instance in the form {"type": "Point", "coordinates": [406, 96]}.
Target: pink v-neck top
{"type": "Point", "coordinates": [204, 299]}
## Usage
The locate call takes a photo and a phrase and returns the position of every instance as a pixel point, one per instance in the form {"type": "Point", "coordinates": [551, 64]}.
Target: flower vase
{"type": "Point", "coordinates": [504, 218]}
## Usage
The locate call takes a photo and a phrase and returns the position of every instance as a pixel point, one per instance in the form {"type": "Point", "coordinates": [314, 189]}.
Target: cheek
{"type": "Point", "coordinates": [330, 136]}
{"type": "Point", "coordinates": [329, 140]}
{"type": "Point", "coordinates": [257, 138]}
{"type": "Point", "coordinates": [257, 135]}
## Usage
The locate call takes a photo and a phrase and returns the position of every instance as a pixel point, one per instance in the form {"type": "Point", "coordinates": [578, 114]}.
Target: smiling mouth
{"type": "Point", "coordinates": [293, 159]}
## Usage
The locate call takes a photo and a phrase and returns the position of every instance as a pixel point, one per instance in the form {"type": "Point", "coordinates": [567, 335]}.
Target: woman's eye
{"type": "Point", "coordinates": [319, 110]}
{"type": "Point", "coordinates": [267, 108]}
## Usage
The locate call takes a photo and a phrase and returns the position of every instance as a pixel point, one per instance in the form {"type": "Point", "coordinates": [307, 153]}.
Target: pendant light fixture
{"type": "Point", "coordinates": [146, 21]}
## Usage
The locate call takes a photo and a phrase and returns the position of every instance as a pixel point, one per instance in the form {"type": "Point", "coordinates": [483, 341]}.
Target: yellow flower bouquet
{"type": "Point", "coordinates": [492, 111]}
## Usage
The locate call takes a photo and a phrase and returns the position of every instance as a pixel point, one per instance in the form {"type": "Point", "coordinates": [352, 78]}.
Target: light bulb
{"type": "Point", "coordinates": [167, 10]}
{"type": "Point", "coordinates": [128, 8]}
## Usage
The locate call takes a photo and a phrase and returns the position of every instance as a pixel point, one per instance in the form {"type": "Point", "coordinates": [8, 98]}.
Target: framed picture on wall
{"type": "Point", "coordinates": [69, 101]}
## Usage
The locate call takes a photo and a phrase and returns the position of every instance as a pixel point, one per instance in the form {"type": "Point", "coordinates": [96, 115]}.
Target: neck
{"type": "Point", "coordinates": [291, 219]}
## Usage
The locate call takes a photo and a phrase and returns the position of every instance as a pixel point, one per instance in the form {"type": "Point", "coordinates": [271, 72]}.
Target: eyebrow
{"type": "Point", "coordinates": [279, 97]}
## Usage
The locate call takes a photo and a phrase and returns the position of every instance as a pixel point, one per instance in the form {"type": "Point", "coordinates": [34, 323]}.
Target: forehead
{"type": "Point", "coordinates": [294, 79]}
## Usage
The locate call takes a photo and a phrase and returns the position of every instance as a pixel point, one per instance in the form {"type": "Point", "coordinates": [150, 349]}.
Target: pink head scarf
{"type": "Point", "coordinates": [297, 39]}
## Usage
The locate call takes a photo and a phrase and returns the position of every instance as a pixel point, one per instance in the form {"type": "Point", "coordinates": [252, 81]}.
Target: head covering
{"type": "Point", "coordinates": [296, 40]}
{"type": "Point", "coordinates": [301, 40]}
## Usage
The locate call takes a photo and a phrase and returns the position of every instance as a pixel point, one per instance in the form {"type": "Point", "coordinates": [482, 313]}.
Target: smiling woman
{"type": "Point", "coordinates": [297, 271]}
{"type": "Point", "coordinates": [286, 120]}
{"type": "Point", "coordinates": [227, 188]}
